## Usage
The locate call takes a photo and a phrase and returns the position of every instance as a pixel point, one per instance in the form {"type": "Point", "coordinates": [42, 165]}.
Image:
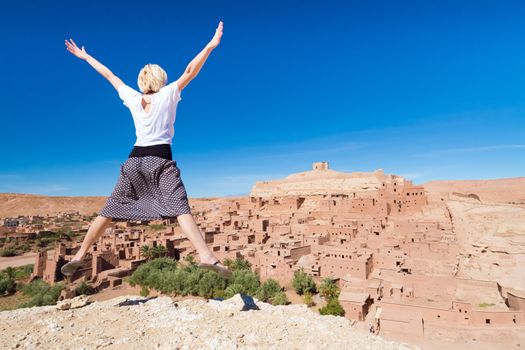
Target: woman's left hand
{"type": "Point", "coordinates": [73, 48]}
{"type": "Point", "coordinates": [217, 37]}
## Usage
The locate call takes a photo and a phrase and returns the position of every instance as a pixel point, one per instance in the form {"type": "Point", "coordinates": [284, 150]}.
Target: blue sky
{"type": "Point", "coordinates": [428, 90]}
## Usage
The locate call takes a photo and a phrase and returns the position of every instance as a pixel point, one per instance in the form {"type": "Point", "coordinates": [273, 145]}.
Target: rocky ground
{"type": "Point", "coordinates": [161, 323]}
{"type": "Point", "coordinates": [510, 190]}
{"type": "Point", "coordinates": [492, 241]}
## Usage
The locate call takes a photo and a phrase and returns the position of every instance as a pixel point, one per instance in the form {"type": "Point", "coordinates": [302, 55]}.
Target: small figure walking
{"type": "Point", "coordinates": [150, 186]}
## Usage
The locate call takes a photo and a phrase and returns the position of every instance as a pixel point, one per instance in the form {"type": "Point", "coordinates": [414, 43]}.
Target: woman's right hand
{"type": "Point", "coordinates": [73, 48]}
{"type": "Point", "coordinates": [217, 37]}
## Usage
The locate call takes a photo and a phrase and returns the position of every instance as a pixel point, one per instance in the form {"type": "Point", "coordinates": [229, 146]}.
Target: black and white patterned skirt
{"type": "Point", "coordinates": [148, 188]}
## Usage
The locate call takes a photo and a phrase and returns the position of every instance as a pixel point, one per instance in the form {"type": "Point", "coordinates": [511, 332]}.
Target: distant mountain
{"type": "Point", "coordinates": [14, 204]}
{"type": "Point", "coordinates": [507, 190]}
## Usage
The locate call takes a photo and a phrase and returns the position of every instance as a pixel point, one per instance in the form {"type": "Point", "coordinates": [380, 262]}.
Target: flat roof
{"type": "Point", "coordinates": [354, 297]}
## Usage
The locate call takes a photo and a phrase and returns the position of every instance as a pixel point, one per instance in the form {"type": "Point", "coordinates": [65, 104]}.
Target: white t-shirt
{"type": "Point", "coordinates": [157, 126]}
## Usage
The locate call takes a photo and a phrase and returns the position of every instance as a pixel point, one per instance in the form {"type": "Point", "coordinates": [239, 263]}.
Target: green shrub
{"type": "Point", "coordinates": [9, 251]}
{"type": "Point", "coordinates": [233, 289]}
{"type": "Point", "coordinates": [486, 304]}
{"type": "Point", "coordinates": [84, 288]}
{"type": "Point", "coordinates": [332, 308]}
{"type": "Point", "coordinates": [158, 251]}
{"type": "Point", "coordinates": [237, 264]}
{"type": "Point", "coordinates": [190, 260]}
{"type": "Point", "coordinates": [303, 283]}
{"type": "Point", "coordinates": [144, 291]}
{"type": "Point", "coordinates": [248, 279]}
{"type": "Point", "coordinates": [173, 281]}
{"type": "Point", "coordinates": [24, 247]}
{"type": "Point", "coordinates": [308, 299]}
{"type": "Point", "coordinates": [211, 285]}
{"type": "Point", "coordinates": [36, 287]}
{"type": "Point", "coordinates": [145, 251]}
{"type": "Point", "coordinates": [41, 293]}
{"type": "Point", "coordinates": [166, 276]}
{"type": "Point", "coordinates": [8, 280]}
{"type": "Point", "coordinates": [329, 289]}
{"type": "Point", "coordinates": [23, 271]}
{"type": "Point", "coordinates": [7, 285]}
{"type": "Point", "coordinates": [268, 290]}
{"type": "Point", "coordinates": [153, 252]}
{"type": "Point", "coordinates": [147, 273]}
{"type": "Point", "coordinates": [9, 272]}
{"type": "Point", "coordinates": [192, 283]}
{"type": "Point", "coordinates": [280, 298]}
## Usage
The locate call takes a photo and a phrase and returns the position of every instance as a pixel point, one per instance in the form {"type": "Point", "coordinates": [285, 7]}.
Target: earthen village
{"type": "Point", "coordinates": [391, 246]}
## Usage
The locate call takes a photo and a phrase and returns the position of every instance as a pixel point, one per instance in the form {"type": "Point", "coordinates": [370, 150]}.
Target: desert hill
{"type": "Point", "coordinates": [322, 180]}
{"type": "Point", "coordinates": [14, 204]}
{"type": "Point", "coordinates": [507, 190]}
{"type": "Point", "coordinates": [133, 322]}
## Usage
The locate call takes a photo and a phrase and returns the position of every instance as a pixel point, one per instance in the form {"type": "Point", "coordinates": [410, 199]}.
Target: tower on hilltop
{"type": "Point", "coordinates": [320, 165]}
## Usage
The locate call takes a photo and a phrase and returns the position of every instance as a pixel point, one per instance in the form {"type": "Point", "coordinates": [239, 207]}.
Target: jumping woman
{"type": "Point", "coordinates": [149, 186]}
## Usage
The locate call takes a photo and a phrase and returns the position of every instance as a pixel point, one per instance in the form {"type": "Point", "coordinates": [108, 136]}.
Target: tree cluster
{"type": "Point", "coordinates": [329, 290]}
{"type": "Point", "coordinates": [170, 277]}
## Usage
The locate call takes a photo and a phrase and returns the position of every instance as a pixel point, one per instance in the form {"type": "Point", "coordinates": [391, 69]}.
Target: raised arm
{"type": "Point", "coordinates": [99, 67]}
{"type": "Point", "coordinates": [196, 64]}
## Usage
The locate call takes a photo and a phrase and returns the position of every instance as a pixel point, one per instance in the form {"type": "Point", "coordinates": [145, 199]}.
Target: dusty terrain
{"type": "Point", "coordinates": [161, 323]}
{"type": "Point", "coordinates": [510, 190]}
{"type": "Point", "coordinates": [492, 241]}
{"type": "Point", "coordinates": [20, 260]}
{"type": "Point", "coordinates": [14, 204]}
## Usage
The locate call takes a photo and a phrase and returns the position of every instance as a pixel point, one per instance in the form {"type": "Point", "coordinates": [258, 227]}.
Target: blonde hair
{"type": "Point", "coordinates": [151, 78]}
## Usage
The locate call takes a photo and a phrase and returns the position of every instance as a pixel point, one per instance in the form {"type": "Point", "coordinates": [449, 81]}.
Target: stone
{"type": "Point", "coordinates": [76, 302]}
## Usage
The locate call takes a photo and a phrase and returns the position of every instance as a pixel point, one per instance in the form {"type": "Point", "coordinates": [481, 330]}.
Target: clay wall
{"type": "Point", "coordinates": [354, 311]}
{"type": "Point", "coordinates": [516, 300]}
{"type": "Point", "coordinates": [496, 318]}
{"type": "Point", "coordinates": [401, 322]}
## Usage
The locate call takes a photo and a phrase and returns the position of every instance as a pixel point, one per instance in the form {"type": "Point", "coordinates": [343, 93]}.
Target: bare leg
{"type": "Point", "coordinates": [192, 231]}
{"type": "Point", "coordinates": [95, 230]}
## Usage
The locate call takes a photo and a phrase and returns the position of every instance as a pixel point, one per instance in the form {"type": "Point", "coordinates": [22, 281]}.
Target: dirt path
{"type": "Point", "coordinates": [19, 260]}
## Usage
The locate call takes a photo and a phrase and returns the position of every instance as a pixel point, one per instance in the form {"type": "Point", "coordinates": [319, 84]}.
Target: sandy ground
{"type": "Point", "coordinates": [19, 260]}
{"type": "Point", "coordinates": [510, 190]}
{"type": "Point", "coordinates": [465, 339]}
{"type": "Point", "coordinates": [492, 242]}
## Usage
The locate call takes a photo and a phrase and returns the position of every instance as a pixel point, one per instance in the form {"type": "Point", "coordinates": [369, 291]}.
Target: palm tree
{"type": "Point", "coordinates": [10, 272]}
{"type": "Point", "coordinates": [329, 289]}
{"type": "Point", "coordinates": [146, 252]}
{"type": "Point", "coordinates": [159, 251]}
